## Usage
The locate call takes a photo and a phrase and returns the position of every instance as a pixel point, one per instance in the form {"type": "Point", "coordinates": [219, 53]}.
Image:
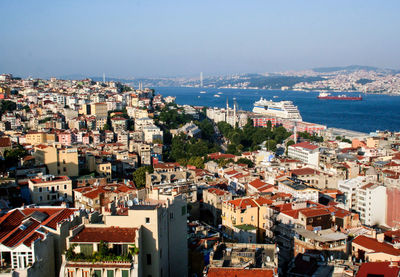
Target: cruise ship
{"type": "Point", "coordinates": [282, 109]}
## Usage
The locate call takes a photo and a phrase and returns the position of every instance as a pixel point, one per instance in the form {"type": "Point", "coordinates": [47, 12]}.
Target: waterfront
{"type": "Point", "coordinates": [374, 112]}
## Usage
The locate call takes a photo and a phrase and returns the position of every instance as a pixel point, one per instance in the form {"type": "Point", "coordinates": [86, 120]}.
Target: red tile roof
{"type": "Point", "coordinates": [242, 203]}
{"type": "Point", "coordinates": [304, 171]}
{"type": "Point", "coordinates": [239, 272]}
{"type": "Point", "coordinates": [376, 246]}
{"type": "Point", "coordinates": [217, 191]}
{"type": "Point", "coordinates": [18, 227]}
{"type": "Point", "coordinates": [305, 145]}
{"type": "Point", "coordinates": [383, 269]}
{"type": "Point", "coordinates": [106, 234]}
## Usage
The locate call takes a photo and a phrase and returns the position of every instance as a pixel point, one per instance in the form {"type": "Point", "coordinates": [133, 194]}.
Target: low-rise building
{"type": "Point", "coordinates": [50, 189]}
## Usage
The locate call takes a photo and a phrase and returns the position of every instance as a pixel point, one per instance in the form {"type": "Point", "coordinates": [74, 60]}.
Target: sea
{"type": "Point", "coordinates": [374, 112]}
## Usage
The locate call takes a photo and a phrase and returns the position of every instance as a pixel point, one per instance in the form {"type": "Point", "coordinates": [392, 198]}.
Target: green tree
{"type": "Point", "coordinates": [245, 161]}
{"type": "Point", "coordinates": [290, 142]}
{"type": "Point", "coordinates": [139, 176]}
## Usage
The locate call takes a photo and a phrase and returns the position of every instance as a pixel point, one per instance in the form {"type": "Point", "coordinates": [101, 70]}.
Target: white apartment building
{"type": "Point", "coordinates": [305, 152]}
{"type": "Point", "coordinates": [371, 204]}
{"type": "Point", "coordinates": [349, 188]}
{"type": "Point", "coordinates": [152, 133]}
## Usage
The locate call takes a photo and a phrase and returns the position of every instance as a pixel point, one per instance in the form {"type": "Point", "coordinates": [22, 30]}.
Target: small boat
{"type": "Point", "coordinates": [275, 96]}
{"type": "Point", "coordinates": [202, 92]}
{"type": "Point", "coordinates": [217, 95]}
{"type": "Point", "coordinates": [219, 92]}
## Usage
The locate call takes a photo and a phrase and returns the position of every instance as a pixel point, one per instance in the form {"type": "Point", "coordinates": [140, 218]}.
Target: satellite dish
{"type": "Point", "coordinates": [136, 201]}
{"type": "Point", "coordinates": [268, 259]}
{"type": "Point", "coordinates": [130, 203]}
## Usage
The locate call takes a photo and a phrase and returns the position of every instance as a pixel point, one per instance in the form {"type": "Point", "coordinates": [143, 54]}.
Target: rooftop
{"type": "Point", "coordinates": [106, 234]}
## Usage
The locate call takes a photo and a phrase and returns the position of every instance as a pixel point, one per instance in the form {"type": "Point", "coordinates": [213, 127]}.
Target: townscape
{"type": "Point", "coordinates": [105, 179]}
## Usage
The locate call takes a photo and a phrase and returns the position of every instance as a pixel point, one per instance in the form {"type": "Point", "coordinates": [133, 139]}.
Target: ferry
{"type": "Point", "coordinates": [282, 109]}
{"type": "Point", "coordinates": [328, 96]}
{"type": "Point", "coordinates": [202, 92]}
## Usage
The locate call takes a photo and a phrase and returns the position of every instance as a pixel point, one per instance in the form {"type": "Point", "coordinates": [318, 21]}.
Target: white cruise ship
{"type": "Point", "coordinates": [282, 109]}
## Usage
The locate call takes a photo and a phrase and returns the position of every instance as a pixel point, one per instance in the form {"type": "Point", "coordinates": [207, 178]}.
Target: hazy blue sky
{"type": "Point", "coordinates": [170, 37]}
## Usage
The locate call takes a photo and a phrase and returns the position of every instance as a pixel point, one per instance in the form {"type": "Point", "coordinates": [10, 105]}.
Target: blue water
{"type": "Point", "coordinates": [374, 112]}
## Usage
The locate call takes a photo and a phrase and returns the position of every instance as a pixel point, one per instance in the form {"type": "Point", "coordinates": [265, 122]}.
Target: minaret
{"type": "Point", "coordinates": [201, 79]}
{"type": "Point", "coordinates": [234, 112]}
{"type": "Point", "coordinates": [104, 77]}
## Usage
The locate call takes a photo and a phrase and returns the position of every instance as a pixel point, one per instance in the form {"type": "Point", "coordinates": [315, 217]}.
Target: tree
{"type": "Point", "coordinates": [139, 176]}
{"type": "Point", "coordinates": [290, 142]}
{"type": "Point", "coordinates": [196, 161]}
{"type": "Point", "coordinates": [107, 127]}
{"type": "Point", "coordinates": [245, 161]}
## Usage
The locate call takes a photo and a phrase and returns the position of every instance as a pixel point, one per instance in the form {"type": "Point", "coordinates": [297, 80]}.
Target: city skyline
{"type": "Point", "coordinates": [156, 39]}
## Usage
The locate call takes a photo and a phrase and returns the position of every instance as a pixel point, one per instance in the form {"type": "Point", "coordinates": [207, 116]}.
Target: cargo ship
{"type": "Point", "coordinates": [282, 109]}
{"type": "Point", "coordinates": [325, 95]}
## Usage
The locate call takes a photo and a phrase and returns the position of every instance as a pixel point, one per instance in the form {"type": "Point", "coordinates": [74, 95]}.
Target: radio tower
{"type": "Point", "coordinates": [201, 79]}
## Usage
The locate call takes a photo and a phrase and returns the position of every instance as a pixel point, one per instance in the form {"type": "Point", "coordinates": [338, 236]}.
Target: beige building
{"type": "Point", "coordinates": [212, 201]}
{"type": "Point", "coordinates": [50, 189]}
{"type": "Point", "coordinates": [99, 110]}
{"type": "Point", "coordinates": [105, 170]}
{"type": "Point", "coordinates": [163, 250]}
{"type": "Point", "coordinates": [36, 138]}
{"type": "Point", "coordinates": [248, 214]}
{"type": "Point", "coordinates": [59, 161]}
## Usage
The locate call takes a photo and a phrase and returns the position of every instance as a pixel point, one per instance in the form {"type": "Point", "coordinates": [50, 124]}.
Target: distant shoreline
{"type": "Point", "coordinates": [289, 90]}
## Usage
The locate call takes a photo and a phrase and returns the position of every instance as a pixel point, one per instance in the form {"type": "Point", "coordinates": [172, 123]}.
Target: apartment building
{"type": "Point", "coordinates": [36, 138]}
{"type": "Point", "coordinates": [372, 203]}
{"type": "Point", "coordinates": [50, 189]}
{"type": "Point", "coordinates": [212, 201]}
{"type": "Point", "coordinates": [59, 160]}
{"type": "Point", "coordinates": [163, 250]}
{"type": "Point", "coordinates": [118, 247]}
{"type": "Point", "coordinates": [305, 152]}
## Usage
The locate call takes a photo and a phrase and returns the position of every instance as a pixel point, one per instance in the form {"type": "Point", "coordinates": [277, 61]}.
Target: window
{"type": "Point", "coordinates": [40, 198]}
{"type": "Point", "coordinates": [97, 273]}
{"type": "Point", "coordinates": [40, 189]}
{"type": "Point", "coordinates": [241, 219]}
{"type": "Point", "coordinates": [70, 273]}
{"type": "Point", "coordinates": [65, 186]}
{"type": "Point", "coordinates": [171, 215]}
{"type": "Point", "coordinates": [65, 169]}
{"type": "Point", "coordinates": [147, 220]}
{"type": "Point", "coordinates": [148, 259]}
{"type": "Point", "coordinates": [252, 218]}
{"type": "Point", "coordinates": [87, 249]}
{"type": "Point", "coordinates": [110, 273]}
{"type": "Point", "coordinates": [184, 210]}
{"type": "Point", "coordinates": [125, 273]}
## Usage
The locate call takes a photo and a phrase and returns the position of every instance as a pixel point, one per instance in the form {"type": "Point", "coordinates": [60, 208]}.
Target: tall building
{"type": "Point", "coordinates": [59, 161]}
{"type": "Point", "coordinates": [163, 250]}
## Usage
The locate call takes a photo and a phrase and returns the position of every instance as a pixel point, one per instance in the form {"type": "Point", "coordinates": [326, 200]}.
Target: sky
{"type": "Point", "coordinates": [168, 38]}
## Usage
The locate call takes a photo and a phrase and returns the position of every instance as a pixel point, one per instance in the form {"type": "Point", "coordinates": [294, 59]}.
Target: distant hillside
{"type": "Point", "coordinates": [351, 68]}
